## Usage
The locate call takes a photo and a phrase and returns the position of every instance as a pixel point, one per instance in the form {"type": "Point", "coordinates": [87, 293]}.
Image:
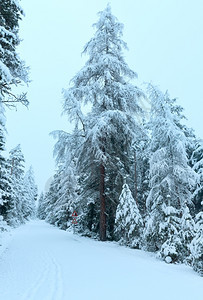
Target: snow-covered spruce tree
{"type": "Point", "coordinates": [197, 163]}
{"type": "Point", "coordinates": [197, 245]}
{"type": "Point", "coordinates": [5, 178]}
{"type": "Point", "coordinates": [65, 203]}
{"type": "Point", "coordinates": [41, 207]}
{"type": "Point", "coordinates": [110, 127]}
{"type": "Point", "coordinates": [16, 162]}
{"type": "Point", "coordinates": [29, 195]}
{"type": "Point", "coordinates": [171, 180]}
{"type": "Point", "coordinates": [128, 222]}
{"type": "Point", "coordinates": [12, 69]}
{"type": "Point", "coordinates": [65, 152]}
{"type": "Point", "coordinates": [191, 144]}
{"type": "Point", "coordinates": [51, 197]}
{"type": "Point", "coordinates": [187, 232]}
{"type": "Point", "coordinates": [59, 201]}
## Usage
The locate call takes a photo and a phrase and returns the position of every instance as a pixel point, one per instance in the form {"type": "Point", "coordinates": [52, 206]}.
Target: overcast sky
{"type": "Point", "coordinates": [165, 46]}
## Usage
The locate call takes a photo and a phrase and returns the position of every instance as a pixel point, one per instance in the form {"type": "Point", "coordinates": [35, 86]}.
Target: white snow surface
{"type": "Point", "coordinates": [43, 262]}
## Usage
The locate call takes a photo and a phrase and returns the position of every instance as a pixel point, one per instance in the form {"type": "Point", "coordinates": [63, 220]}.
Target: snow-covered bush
{"type": "Point", "coordinates": [171, 250]}
{"type": "Point", "coordinates": [3, 225]}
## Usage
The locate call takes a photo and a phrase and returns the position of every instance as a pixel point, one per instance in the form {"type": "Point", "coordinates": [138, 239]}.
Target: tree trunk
{"type": "Point", "coordinates": [102, 205]}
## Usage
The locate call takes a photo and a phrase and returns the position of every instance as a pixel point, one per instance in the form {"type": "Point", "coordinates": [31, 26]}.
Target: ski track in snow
{"type": "Point", "coordinates": [57, 281]}
{"type": "Point", "coordinates": [39, 282]}
{"type": "Point", "coordinates": [51, 276]}
{"type": "Point", "coordinates": [44, 263]}
{"type": "Point", "coordinates": [46, 285]}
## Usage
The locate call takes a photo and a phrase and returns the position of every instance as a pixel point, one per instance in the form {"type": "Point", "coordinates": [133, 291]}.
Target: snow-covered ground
{"type": "Point", "coordinates": [42, 262]}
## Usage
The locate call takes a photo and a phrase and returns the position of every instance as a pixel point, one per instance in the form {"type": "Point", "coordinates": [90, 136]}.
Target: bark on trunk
{"type": "Point", "coordinates": [102, 205]}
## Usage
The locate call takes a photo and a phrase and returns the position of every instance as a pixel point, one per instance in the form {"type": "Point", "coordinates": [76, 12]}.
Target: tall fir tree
{"type": "Point", "coordinates": [171, 180]}
{"type": "Point", "coordinates": [111, 126]}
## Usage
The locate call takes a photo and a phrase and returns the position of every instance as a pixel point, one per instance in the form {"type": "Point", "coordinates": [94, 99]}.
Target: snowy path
{"type": "Point", "coordinates": [45, 263]}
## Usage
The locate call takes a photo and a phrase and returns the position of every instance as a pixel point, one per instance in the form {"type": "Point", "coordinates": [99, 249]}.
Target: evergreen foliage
{"type": "Point", "coordinates": [41, 207]}
{"type": "Point", "coordinates": [16, 162]}
{"type": "Point", "coordinates": [29, 195]}
{"type": "Point", "coordinates": [128, 222]}
{"type": "Point", "coordinates": [104, 84]}
{"type": "Point", "coordinates": [197, 245]}
{"type": "Point", "coordinates": [24, 190]}
{"type": "Point", "coordinates": [171, 180]}
{"type": "Point", "coordinates": [5, 172]}
{"type": "Point", "coordinates": [186, 232]}
{"type": "Point", "coordinates": [140, 180]}
{"type": "Point", "coordinates": [197, 162]}
{"type": "Point", "coordinates": [114, 150]}
{"type": "Point", "coordinates": [65, 199]}
{"type": "Point", "coordinates": [51, 197]}
{"type": "Point", "coordinates": [12, 69]}
{"type": "Point", "coordinates": [15, 204]}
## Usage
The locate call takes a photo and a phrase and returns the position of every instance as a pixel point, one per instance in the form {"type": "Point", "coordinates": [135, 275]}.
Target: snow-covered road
{"type": "Point", "coordinates": [45, 263]}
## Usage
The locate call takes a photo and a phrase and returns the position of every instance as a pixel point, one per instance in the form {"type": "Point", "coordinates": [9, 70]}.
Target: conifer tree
{"type": "Point", "coordinates": [197, 245]}
{"type": "Point", "coordinates": [13, 72]}
{"type": "Point", "coordinates": [16, 161]}
{"type": "Point", "coordinates": [12, 69]}
{"type": "Point", "coordinates": [180, 231]}
{"type": "Point", "coordinates": [29, 195]}
{"type": "Point", "coordinates": [65, 152]}
{"type": "Point", "coordinates": [186, 232]}
{"type": "Point", "coordinates": [111, 126]}
{"type": "Point", "coordinates": [51, 197]}
{"type": "Point", "coordinates": [169, 241]}
{"type": "Point", "coordinates": [41, 207]}
{"type": "Point", "coordinates": [171, 180]}
{"type": "Point", "coordinates": [66, 198]}
{"type": "Point", "coordinates": [128, 222]}
{"type": "Point", "coordinates": [194, 150]}
{"type": "Point", "coordinates": [197, 163]}
{"type": "Point", "coordinates": [5, 179]}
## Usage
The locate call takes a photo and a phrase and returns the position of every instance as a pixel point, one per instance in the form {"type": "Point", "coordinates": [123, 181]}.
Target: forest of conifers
{"type": "Point", "coordinates": [131, 168]}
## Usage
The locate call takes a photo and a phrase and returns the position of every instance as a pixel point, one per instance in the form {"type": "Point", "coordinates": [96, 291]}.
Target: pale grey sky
{"type": "Point", "coordinates": [165, 47]}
